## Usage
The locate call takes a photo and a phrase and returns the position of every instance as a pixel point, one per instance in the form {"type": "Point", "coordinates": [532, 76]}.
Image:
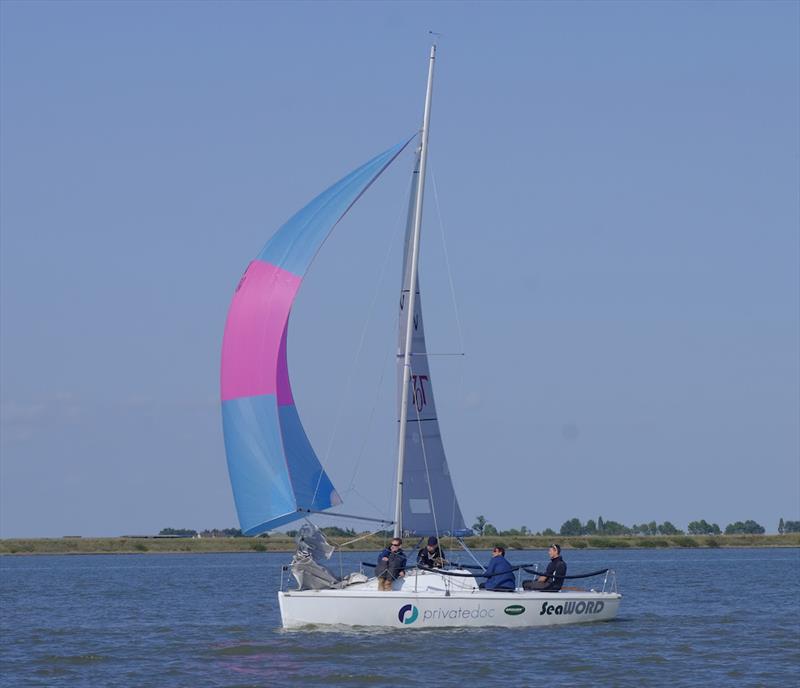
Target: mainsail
{"type": "Point", "coordinates": [273, 469]}
{"type": "Point", "coordinates": [429, 505]}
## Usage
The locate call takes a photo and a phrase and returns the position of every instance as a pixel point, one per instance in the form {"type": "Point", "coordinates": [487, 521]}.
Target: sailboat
{"type": "Point", "coordinates": [277, 478]}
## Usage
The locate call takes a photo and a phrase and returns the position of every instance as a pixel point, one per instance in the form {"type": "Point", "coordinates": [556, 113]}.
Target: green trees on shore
{"type": "Point", "coordinates": [221, 532]}
{"type": "Point", "coordinates": [601, 527]}
{"type": "Point", "coordinates": [178, 532]}
{"type": "Point", "coordinates": [575, 527]}
{"type": "Point", "coordinates": [701, 527]}
{"type": "Point", "coordinates": [213, 532]}
{"type": "Point", "coordinates": [746, 528]}
{"type": "Point", "coordinates": [572, 527]}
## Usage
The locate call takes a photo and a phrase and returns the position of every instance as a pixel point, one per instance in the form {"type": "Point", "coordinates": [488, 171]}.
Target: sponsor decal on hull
{"type": "Point", "coordinates": [582, 607]}
{"type": "Point", "coordinates": [514, 610]}
{"type": "Point", "coordinates": [408, 614]}
{"type": "Point", "coordinates": [458, 613]}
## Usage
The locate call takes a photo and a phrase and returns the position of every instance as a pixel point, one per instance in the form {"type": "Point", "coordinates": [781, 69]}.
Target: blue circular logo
{"type": "Point", "coordinates": [408, 614]}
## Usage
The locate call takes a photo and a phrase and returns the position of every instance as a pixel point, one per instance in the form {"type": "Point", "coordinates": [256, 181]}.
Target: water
{"type": "Point", "coordinates": [688, 618]}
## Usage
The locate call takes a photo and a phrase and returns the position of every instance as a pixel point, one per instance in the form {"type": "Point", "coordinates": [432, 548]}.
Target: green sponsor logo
{"type": "Point", "coordinates": [514, 610]}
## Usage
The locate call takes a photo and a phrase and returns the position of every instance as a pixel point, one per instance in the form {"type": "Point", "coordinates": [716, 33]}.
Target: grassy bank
{"type": "Point", "coordinates": [280, 543]}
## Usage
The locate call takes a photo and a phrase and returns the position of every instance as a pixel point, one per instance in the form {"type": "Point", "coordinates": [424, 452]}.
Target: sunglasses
{"type": "Point", "coordinates": [395, 544]}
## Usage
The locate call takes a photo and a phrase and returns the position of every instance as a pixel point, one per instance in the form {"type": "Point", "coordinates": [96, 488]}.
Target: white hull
{"type": "Point", "coordinates": [430, 600]}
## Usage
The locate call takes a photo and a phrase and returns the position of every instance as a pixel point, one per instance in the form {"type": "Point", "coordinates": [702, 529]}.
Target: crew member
{"type": "Point", "coordinates": [431, 555]}
{"type": "Point", "coordinates": [553, 577]}
{"type": "Point", "coordinates": [499, 573]}
{"type": "Point", "coordinates": [391, 565]}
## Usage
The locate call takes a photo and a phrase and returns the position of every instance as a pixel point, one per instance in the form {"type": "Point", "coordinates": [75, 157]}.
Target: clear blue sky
{"type": "Point", "coordinates": [618, 185]}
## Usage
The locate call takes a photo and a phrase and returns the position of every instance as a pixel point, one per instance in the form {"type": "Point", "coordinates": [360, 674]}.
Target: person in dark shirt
{"type": "Point", "coordinates": [499, 573]}
{"type": "Point", "coordinates": [391, 565]}
{"type": "Point", "coordinates": [431, 555]}
{"type": "Point", "coordinates": [553, 577]}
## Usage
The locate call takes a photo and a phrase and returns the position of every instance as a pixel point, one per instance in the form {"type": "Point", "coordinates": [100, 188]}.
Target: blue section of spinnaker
{"type": "Point", "coordinates": [295, 244]}
{"type": "Point", "coordinates": [259, 475]}
{"type": "Point", "coordinates": [312, 487]}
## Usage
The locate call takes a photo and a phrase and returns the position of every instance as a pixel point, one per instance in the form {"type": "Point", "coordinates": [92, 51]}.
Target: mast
{"type": "Point", "coordinates": [412, 294]}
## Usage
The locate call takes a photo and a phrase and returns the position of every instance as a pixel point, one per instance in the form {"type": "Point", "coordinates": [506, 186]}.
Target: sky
{"type": "Point", "coordinates": [614, 186]}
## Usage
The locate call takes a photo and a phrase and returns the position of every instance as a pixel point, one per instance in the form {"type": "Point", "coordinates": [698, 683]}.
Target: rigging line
{"type": "Point", "coordinates": [335, 514]}
{"type": "Point", "coordinates": [353, 490]}
{"type": "Point", "coordinates": [469, 551]}
{"type": "Point", "coordinates": [428, 355]}
{"type": "Point", "coordinates": [357, 356]}
{"type": "Point", "coordinates": [365, 436]}
{"type": "Point", "coordinates": [385, 365]}
{"type": "Point", "coordinates": [362, 537]}
{"type": "Point", "coordinates": [453, 509]}
{"type": "Point", "coordinates": [427, 469]}
{"type": "Point", "coordinates": [368, 501]}
{"type": "Point", "coordinates": [447, 261]}
{"type": "Point", "coordinates": [455, 306]}
{"type": "Point", "coordinates": [412, 186]}
{"type": "Point", "coordinates": [425, 459]}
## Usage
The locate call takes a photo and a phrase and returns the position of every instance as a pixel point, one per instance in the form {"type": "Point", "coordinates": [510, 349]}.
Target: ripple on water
{"type": "Point", "coordinates": [53, 672]}
{"type": "Point", "coordinates": [339, 678]}
{"type": "Point", "coordinates": [73, 659]}
{"type": "Point", "coordinates": [243, 649]}
{"type": "Point", "coordinates": [649, 660]}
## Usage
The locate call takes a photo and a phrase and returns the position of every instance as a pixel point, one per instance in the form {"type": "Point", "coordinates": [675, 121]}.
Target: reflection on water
{"type": "Point", "coordinates": [688, 618]}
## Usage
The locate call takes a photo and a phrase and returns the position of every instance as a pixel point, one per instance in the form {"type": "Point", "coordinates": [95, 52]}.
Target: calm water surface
{"type": "Point", "coordinates": [688, 618]}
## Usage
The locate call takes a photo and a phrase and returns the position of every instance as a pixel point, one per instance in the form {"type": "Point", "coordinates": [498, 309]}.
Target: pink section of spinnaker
{"type": "Point", "coordinates": [254, 345]}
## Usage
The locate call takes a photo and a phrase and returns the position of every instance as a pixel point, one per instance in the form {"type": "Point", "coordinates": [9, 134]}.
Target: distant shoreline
{"type": "Point", "coordinates": [282, 543]}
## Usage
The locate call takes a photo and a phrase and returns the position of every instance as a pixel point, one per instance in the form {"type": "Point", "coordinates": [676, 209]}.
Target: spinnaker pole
{"type": "Point", "coordinates": [412, 294]}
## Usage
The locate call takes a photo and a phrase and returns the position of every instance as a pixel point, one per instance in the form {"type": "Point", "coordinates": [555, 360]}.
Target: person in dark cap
{"type": "Point", "coordinates": [553, 577]}
{"type": "Point", "coordinates": [431, 555]}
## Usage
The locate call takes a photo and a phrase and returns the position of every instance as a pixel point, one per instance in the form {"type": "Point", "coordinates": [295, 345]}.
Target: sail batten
{"type": "Point", "coordinates": [274, 471]}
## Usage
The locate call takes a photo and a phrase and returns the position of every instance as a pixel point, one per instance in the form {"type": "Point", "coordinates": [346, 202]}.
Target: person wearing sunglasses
{"type": "Point", "coordinates": [499, 573]}
{"type": "Point", "coordinates": [391, 565]}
